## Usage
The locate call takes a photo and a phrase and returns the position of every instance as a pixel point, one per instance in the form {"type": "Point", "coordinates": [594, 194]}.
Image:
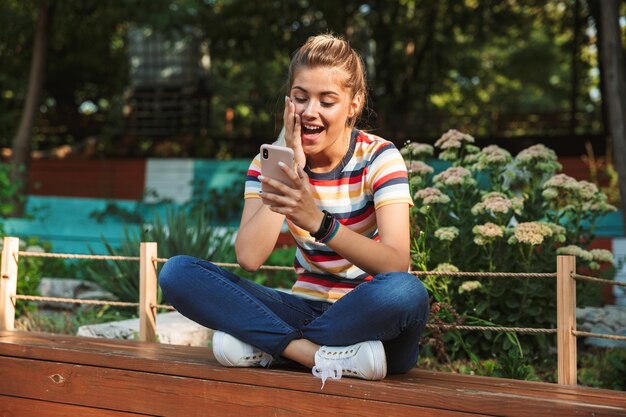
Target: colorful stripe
{"type": "Point", "coordinates": [373, 175]}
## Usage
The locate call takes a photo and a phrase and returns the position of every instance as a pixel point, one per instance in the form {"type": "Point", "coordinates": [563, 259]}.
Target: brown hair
{"type": "Point", "coordinates": [333, 52]}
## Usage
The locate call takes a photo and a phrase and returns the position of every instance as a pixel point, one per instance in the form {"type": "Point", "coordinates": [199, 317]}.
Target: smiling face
{"type": "Point", "coordinates": [324, 106]}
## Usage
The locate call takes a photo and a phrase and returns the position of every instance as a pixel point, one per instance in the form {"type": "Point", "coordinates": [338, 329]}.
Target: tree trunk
{"type": "Point", "coordinates": [613, 78]}
{"type": "Point", "coordinates": [21, 146]}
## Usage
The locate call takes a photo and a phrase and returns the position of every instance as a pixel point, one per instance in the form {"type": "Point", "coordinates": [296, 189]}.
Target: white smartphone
{"type": "Point", "coordinates": [270, 156]}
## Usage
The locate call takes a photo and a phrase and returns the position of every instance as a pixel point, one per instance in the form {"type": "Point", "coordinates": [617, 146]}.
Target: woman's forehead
{"type": "Point", "coordinates": [324, 80]}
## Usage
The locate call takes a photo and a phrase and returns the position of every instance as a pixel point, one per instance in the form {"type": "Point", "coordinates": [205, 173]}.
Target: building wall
{"type": "Point", "coordinates": [65, 194]}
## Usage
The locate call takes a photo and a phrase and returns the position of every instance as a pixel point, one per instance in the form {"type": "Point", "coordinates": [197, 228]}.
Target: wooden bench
{"type": "Point", "coordinates": [51, 375]}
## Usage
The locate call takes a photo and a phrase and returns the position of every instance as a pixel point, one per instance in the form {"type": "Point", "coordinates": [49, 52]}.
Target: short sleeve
{"type": "Point", "coordinates": [253, 185]}
{"type": "Point", "coordinates": [388, 177]}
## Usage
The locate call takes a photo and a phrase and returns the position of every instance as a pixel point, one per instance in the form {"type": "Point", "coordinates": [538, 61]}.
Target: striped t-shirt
{"type": "Point", "coordinates": [372, 174]}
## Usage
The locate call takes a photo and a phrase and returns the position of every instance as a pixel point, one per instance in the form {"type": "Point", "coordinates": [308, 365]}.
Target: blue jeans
{"type": "Point", "coordinates": [392, 308]}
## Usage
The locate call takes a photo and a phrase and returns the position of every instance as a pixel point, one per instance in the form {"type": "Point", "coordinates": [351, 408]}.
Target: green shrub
{"type": "Point", "coordinates": [9, 190]}
{"type": "Point", "coordinates": [603, 368]}
{"type": "Point", "coordinates": [488, 211]}
{"type": "Point", "coordinates": [31, 269]}
{"type": "Point", "coordinates": [181, 233]}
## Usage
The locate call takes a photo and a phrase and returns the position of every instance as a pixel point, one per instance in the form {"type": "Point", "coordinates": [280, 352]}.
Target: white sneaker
{"type": "Point", "coordinates": [365, 360]}
{"type": "Point", "coordinates": [230, 351]}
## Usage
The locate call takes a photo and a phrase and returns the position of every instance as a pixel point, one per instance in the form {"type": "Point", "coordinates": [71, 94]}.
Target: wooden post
{"type": "Point", "coordinates": [147, 291]}
{"type": "Point", "coordinates": [566, 319]}
{"type": "Point", "coordinates": [8, 282]}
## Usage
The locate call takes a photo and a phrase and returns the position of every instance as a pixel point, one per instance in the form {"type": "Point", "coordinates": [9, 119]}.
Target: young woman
{"type": "Point", "coordinates": [354, 310]}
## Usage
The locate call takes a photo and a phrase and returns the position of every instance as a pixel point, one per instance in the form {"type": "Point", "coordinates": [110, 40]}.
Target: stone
{"type": "Point", "coordinates": [172, 328]}
{"type": "Point", "coordinates": [610, 319]}
{"type": "Point", "coordinates": [70, 288]}
{"type": "Point", "coordinates": [590, 314]}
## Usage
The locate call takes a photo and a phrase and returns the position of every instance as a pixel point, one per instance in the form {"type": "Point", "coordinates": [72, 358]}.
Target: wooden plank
{"type": "Point", "coordinates": [566, 320]}
{"type": "Point", "coordinates": [417, 388]}
{"type": "Point", "coordinates": [22, 407]}
{"type": "Point", "coordinates": [147, 393]}
{"type": "Point", "coordinates": [199, 362]}
{"type": "Point", "coordinates": [536, 388]}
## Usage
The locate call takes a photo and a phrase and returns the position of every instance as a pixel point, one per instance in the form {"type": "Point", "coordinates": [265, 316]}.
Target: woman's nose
{"type": "Point", "coordinates": [310, 109]}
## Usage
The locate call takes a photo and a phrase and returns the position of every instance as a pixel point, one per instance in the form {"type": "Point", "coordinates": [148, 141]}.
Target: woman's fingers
{"type": "Point", "coordinates": [294, 201]}
{"type": "Point", "coordinates": [291, 173]}
{"type": "Point", "coordinates": [278, 203]}
{"type": "Point", "coordinates": [289, 120]}
{"type": "Point", "coordinates": [299, 156]}
{"type": "Point", "coordinates": [293, 130]}
{"type": "Point", "coordinates": [279, 186]}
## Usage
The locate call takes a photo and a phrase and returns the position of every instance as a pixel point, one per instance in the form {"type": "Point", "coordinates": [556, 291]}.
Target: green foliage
{"type": "Point", "coordinates": [181, 233]}
{"type": "Point", "coordinates": [514, 366]}
{"type": "Point", "coordinates": [507, 365]}
{"type": "Point", "coordinates": [488, 211]}
{"type": "Point", "coordinates": [430, 64]}
{"type": "Point", "coordinates": [9, 191]}
{"type": "Point", "coordinates": [32, 269]}
{"type": "Point", "coordinates": [603, 368]}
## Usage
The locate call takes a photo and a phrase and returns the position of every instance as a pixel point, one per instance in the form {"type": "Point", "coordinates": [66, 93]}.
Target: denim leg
{"type": "Point", "coordinates": [221, 300]}
{"type": "Point", "coordinates": [391, 307]}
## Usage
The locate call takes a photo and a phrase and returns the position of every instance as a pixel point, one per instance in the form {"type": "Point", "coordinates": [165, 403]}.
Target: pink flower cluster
{"type": "Point", "coordinates": [454, 176]}
{"type": "Point", "coordinates": [431, 195]}
{"type": "Point", "coordinates": [453, 139]}
{"type": "Point", "coordinates": [498, 203]}
{"type": "Point", "coordinates": [419, 167]}
{"type": "Point", "coordinates": [486, 233]}
{"type": "Point", "coordinates": [532, 233]}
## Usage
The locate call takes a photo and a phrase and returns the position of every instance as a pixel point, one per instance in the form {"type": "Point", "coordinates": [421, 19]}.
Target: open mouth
{"type": "Point", "coordinates": [311, 129]}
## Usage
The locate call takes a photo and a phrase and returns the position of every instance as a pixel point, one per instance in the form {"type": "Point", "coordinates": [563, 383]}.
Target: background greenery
{"type": "Point", "coordinates": [503, 69]}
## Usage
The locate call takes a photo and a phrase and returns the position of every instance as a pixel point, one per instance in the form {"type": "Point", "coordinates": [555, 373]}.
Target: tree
{"type": "Point", "coordinates": [613, 73]}
{"type": "Point", "coordinates": [431, 66]}
{"type": "Point", "coordinates": [21, 145]}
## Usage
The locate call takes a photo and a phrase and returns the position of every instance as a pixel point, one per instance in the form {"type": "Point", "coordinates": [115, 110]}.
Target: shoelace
{"type": "Point", "coordinates": [330, 368]}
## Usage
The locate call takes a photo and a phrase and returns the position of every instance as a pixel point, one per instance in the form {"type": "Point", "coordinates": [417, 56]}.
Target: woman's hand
{"type": "Point", "coordinates": [296, 202]}
{"type": "Point", "coordinates": [292, 124]}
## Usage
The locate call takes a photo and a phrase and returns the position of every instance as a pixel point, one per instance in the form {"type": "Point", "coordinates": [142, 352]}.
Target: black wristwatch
{"type": "Point", "coordinates": [325, 226]}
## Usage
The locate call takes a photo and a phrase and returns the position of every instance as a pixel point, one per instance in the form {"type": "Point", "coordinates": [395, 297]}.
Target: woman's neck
{"type": "Point", "coordinates": [332, 155]}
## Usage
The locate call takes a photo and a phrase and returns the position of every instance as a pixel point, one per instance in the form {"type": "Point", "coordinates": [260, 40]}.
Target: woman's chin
{"type": "Point", "coordinates": [310, 138]}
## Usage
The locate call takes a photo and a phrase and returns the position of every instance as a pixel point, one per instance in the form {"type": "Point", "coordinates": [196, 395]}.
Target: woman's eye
{"type": "Point", "coordinates": [300, 99]}
{"type": "Point", "coordinates": [327, 104]}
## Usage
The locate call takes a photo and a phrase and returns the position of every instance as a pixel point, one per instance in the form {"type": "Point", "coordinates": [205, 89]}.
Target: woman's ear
{"type": "Point", "coordinates": [356, 105]}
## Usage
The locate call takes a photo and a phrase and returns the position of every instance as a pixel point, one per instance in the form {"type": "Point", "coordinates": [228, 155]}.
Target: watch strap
{"type": "Point", "coordinates": [325, 226]}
